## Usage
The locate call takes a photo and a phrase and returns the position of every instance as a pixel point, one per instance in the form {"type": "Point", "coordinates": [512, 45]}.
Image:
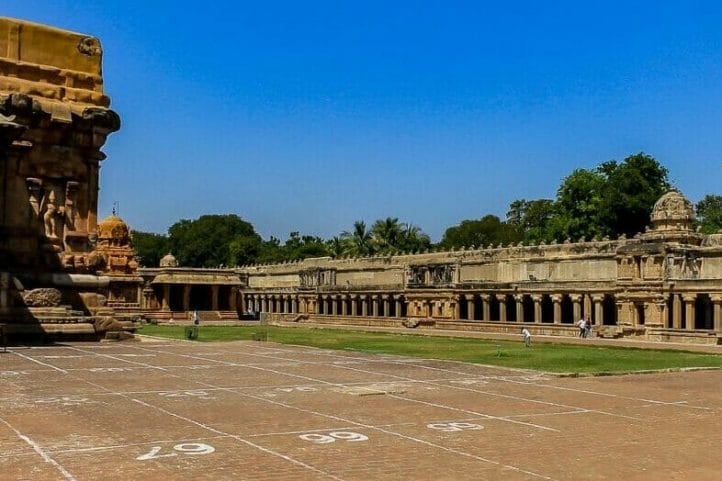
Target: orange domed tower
{"type": "Point", "coordinates": [115, 246]}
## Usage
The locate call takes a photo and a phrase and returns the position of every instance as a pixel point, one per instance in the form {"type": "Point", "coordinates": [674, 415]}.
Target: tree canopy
{"type": "Point", "coordinates": [150, 248]}
{"type": "Point", "coordinates": [709, 214]}
{"type": "Point", "coordinates": [205, 242]}
{"type": "Point", "coordinates": [611, 199]}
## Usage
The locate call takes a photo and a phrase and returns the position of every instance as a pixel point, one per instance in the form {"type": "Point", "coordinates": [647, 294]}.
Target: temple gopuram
{"type": "Point", "coordinates": [62, 274]}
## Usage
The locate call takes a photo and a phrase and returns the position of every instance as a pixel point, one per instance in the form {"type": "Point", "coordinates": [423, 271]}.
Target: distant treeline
{"type": "Point", "coordinates": [615, 198]}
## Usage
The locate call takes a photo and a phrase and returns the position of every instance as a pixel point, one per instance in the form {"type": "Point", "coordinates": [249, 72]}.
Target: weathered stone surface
{"type": "Point", "coordinates": [42, 297]}
{"type": "Point", "coordinates": [54, 120]}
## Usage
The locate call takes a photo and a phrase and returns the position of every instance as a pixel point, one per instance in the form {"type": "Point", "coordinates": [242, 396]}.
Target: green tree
{"type": "Point", "coordinates": [629, 192]}
{"type": "Point", "coordinates": [709, 214]}
{"type": "Point", "coordinates": [485, 231]}
{"type": "Point", "coordinates": [577, 206]}
{"type": "Point", "coordinates": [386, 235]}
{"type": "Point", "coordinates": [359, 240]}
{"type": "Point", "coordinates": [336, 247]}
{"type": "Point", "coordinates": [270, 252]}
{"type": "Point", "coordinates": [531, 218]}
{"type": "Point", "coordinates": [205, 242]}
{"type": "Point", "coordinates": [150, 248]}
{"type": "Point", "coordinates": [244, 250]}
{"type": "Point", "coordinates": [300, 247]}
{"type": "Point", "coordinates": [413, 239]}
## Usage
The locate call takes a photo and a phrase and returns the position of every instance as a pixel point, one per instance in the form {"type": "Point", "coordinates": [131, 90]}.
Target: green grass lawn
{"type": "Point", "coordinates": [549, 357]}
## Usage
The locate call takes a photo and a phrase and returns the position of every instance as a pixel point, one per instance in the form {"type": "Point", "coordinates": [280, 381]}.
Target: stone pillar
{"type": "Point", "coordinates": [397, 305]}
{"type": "Point", "coordinates": [576, 306]}
{"type": "Point", "coordinates": [166, 298]}
{"type": "Point", "coordinates": [457, 310]}
{"type": "Point", "coordinates": [233, 299]}
{"type": "Point", "coordinates": [502, 308]}
{"type": "Point", "coordinates": [470, 314]}
{"type": "Point", "coordinates": [344, 308]}
{"type": "Point", "coordinates": [537, 298]}
{"type": "Point", "coordinates": [354, 305]}
{"type": "Point", "coordinates": [557, 302]}
{"type": "Point", "coordinates": [598, 310]}
{"type": "Point", "coordinates": [4, 289]}
{"type": "Point", "coordinates": [375, 308]}
{"type": "Point", "coordinates": [689, 310]}
{"type": "Point", "coordinates": [485, 307]}
{"type": "Point", "coordinates": [717, 311]}
{"type": "Point", "coordinates": [676, 311]}
{"type": "Point", "coordinates": [186, 297]}
{"type": "Point", "coordinates": [214, 298]}
{"type": "Point", "coordinates": [519, 304]}
{"type": "Point", "coordinates": [587, 300]}
{"type": "Point", "coordinates": [364, 306]}
{"type": "Point", "coordinates": [387, 305]}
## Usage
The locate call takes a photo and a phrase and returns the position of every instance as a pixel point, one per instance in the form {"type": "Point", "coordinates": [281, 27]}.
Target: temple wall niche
{"type": "Point", "coordinates": [274, 281]}
{"type": "Point", "coordinates": [711, 268]}
{"type": "Point", "coordinates": [479, 272]}
{"type": "Point", "coordinates": [386, 277]}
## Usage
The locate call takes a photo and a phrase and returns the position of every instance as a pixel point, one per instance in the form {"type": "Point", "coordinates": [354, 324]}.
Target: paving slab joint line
{"type": "Point", "coordinates": [629, 373]}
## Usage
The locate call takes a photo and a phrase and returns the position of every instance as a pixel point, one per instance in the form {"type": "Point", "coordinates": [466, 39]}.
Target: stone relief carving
{"type": "Point", "coordinates": [69, 209]}
{"type": "Point", "coordinates": [89, 46]}
{"type": "Point", "coordinates": [42, 297]}
{"type": "Point", "coordinates": [434, 275]}
{"type": "Point", "coordinates": [49, 217]}
{"type": "Point", "coordinates": [317, 277]}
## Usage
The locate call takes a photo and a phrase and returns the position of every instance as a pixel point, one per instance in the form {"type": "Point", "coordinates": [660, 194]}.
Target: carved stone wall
{"type": "Point", "coordinates": [54, 120]}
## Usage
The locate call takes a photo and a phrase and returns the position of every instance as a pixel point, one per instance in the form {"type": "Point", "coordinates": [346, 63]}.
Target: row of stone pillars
{"type": "Point", "coordinates": [334, 305]}
{"type": "Point", "coordinates": [186, 301]}
{"type": "Point", "coordinates": [583, 305]}
{"type": "Point", "coordinates": [684, 311]}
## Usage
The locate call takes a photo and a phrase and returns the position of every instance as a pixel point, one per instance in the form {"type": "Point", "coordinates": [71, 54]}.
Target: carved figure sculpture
{"type": "Point", "coordinates": [69, 210]}
{"type": "Point", "coordinates": [51, 211]}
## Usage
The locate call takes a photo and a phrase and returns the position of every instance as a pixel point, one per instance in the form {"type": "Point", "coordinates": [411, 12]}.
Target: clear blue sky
{"type": "Point", "coordinates": [310, 115]}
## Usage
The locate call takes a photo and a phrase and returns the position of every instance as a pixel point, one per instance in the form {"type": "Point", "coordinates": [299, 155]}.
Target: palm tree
{"type": "Point", "coordinates": [386, 234]}
{"type": "Point", "coordinates": [359, 240]}
{"type": "Point", "coordinates": [337, 246]}
{"type": "Point", "coordinates": [413, 238]}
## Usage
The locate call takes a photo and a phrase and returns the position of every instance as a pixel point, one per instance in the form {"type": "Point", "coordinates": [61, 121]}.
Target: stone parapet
{"type": "Point", "coordinates": [55, 66]}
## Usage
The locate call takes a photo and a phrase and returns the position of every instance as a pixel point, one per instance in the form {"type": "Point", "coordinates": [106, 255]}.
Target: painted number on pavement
{"type": "Point", "coordinates": [179, 449]}
{"type": "Point", "coordinates": [333, 437]}
{"type": "Point", "coordinates": [453, 427]}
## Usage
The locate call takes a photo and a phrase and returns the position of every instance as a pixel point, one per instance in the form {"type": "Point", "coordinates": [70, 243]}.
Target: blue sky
{"type": "Point", "coordinates": [310, 115]}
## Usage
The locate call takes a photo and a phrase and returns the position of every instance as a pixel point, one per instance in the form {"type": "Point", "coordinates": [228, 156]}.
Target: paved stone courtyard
{"type": "Point", "coordinates": [261, 411]}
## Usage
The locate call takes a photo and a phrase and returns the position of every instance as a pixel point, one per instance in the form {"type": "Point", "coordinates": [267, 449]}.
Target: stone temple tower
{"type": "Point", "coordinates": [54, 120]}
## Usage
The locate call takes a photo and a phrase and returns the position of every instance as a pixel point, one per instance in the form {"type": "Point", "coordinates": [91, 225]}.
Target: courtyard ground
{"type": "Point", "coordinates": [262, 411]}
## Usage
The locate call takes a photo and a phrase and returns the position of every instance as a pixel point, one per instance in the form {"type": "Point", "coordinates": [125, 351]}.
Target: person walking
{"type": "Point", "coordinates": [196, 318]}
{"type": "Point", "coordinates": [588, 329]}
{"type": "Point", "coordinates": [582, 325]}
{"type": "Point", "coordinates": [527, 336]}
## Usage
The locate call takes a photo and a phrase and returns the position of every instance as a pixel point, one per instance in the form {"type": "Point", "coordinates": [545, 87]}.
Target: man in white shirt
{"type": "Point", "coordinates": [527, 336]}
{"type": "Point", "coordinates": [582, 325]}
